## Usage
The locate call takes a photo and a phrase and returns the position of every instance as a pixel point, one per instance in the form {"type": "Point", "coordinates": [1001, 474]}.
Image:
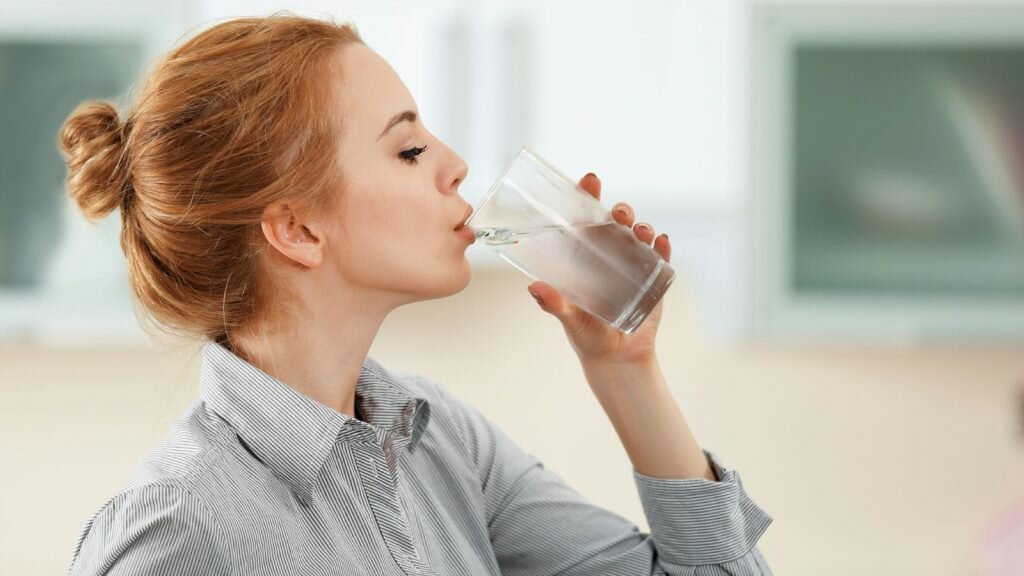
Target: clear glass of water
{"type": "Point", "coordinates": [544, 224]}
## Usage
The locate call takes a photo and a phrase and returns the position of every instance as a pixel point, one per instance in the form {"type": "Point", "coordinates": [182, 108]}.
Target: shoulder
{"type": "Point", "coordinates": [154, 528]}
{"type": "Point", "coordinates": [194, 443]}
{"type": "Point", "coordinates": [162, 511]}
{"type": "Point", "coordinates": [499, 465]}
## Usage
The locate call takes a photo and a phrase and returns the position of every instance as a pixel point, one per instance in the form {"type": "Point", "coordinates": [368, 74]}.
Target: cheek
{"type": "Point", "coordinates": [395, 237]}
{"type": "Point", "coordinates": [413, 234]}
{"type": "Point", "coordinates": [394, 228]}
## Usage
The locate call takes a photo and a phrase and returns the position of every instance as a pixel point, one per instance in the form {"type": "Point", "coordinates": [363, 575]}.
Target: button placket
{"type": "Point", "coordinates": [385, 502]}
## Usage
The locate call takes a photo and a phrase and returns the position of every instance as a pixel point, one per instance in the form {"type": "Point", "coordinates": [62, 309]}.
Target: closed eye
{"type": "Point", "coordinates": [409, 156]}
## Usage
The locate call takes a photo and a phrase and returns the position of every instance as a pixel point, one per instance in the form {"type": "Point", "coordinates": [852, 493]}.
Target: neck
{"type": "Point", "coordinates": [319, 353]}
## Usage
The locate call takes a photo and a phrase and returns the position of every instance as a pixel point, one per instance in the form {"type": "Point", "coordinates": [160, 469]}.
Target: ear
{"type": "Point", "coordinates": [297, 240]}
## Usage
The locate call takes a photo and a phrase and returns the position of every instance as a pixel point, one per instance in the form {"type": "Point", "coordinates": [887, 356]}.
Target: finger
{"type": "Point", "coordinates": [591, 184]}
{"type": "Point", "coordinates": [552, 302]}
{"type": "Point", "coordinates": [623, 214]}
{"type": "Point", "coordinates": [663, 247]}
{"type": "Point", "coordinates": [645, 232]}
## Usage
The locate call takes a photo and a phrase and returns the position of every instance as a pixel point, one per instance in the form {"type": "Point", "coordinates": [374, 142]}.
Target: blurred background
{"type": "Point", "coordinates": [844, 188]}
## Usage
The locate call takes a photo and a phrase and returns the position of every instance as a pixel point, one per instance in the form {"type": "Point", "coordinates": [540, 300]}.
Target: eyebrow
{"type": "Point", "coordinates": [407, 115]}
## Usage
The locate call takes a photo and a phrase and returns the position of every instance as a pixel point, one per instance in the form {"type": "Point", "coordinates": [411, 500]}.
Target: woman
{"type": "Point", "coordinates": [279, 197]}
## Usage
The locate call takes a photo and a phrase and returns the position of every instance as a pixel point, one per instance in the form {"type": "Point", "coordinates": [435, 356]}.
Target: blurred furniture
{"type": "Point", "coordinates": [888, 197]}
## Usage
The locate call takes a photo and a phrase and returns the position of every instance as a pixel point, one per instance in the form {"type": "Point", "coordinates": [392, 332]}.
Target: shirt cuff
{"type": "Point", "coordinates": [696, 521]}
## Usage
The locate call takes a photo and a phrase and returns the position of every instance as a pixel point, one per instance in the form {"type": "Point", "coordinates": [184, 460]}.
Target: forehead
{"type": "Point", "coordinates": [371, 93]}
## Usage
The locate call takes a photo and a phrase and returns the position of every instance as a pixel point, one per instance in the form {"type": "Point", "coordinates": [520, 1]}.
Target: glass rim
{"type": "Point", "coordinates": [496, 185]}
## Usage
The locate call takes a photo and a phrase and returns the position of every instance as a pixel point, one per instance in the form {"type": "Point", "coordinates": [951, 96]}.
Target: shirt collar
{"type": "Point", "coordinates": [293, 434]}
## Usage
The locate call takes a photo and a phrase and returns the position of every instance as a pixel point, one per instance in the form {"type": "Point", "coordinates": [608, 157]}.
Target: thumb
{"type": "Point", "coordinates": [551, 301]}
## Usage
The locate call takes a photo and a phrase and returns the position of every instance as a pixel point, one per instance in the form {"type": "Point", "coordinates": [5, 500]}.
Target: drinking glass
{"type": "Point", "coordinates": [540, 221]}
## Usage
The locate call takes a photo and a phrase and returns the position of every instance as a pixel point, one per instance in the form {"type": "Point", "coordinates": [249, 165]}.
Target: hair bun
{"type": "Point", "coordinates": [92, 140]}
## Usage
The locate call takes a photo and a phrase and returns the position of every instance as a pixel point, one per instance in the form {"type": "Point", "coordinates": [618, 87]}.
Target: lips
{"type": "Point", "coordinates": [467, 233]}
{"type": "Point", "coordinates": [462, 222]}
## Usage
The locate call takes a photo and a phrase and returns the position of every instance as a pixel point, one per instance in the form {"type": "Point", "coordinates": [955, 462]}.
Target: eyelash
{"type": "Point", "coordinates": [409, 156]}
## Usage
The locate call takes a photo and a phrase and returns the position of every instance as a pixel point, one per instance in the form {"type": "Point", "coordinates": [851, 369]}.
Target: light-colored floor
{"type": "Point", "coordinates": [871, 460]}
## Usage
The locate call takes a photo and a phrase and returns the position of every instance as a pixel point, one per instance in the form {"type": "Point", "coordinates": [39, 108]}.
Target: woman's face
{"type": "Point", "coordinates": [398, 210]}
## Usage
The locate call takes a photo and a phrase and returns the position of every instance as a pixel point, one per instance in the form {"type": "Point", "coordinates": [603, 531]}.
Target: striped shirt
{"type": "Point", "coordinates": [256, 478]}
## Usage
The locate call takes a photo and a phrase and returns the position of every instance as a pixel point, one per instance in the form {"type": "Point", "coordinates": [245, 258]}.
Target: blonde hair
{"type": "Point", "coordinates": [235, 118]}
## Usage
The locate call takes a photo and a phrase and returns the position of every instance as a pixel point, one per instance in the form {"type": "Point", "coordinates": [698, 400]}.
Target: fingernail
{"type": "Point", "coordinates": [622, 210]}
{"type": "Point", "coordinates": [591, 174]}
{"type": "Point", "coordinates": [645, 227]}
{"type": "Point", "coordinates": [537, 298]}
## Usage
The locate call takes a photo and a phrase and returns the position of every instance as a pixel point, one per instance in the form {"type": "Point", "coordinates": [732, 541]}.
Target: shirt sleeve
{"type": "Point", "coordinates": [697, 522]}
{"type": "Point", "coordinates": [154, 530]}
{"type": "Point", "coordinates": [539, 525]}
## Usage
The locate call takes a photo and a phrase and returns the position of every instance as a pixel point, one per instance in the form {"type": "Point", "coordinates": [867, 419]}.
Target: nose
{"type": "Point", "coordinates": [455, 171]}
{"type": "Point", "coordinates": [461, 169]}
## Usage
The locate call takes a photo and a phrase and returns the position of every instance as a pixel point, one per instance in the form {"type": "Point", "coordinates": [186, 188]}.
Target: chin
{"type": "Point", "coordinates": [462, 279]}
{"type": "Point", "coordinates": [457, 279]}
{"type": "Point", "coordinates": [454, 279]}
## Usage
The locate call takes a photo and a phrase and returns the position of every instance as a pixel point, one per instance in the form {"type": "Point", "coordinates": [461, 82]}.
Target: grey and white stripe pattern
{"type": "Point", "coordinates": [257, 479]}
